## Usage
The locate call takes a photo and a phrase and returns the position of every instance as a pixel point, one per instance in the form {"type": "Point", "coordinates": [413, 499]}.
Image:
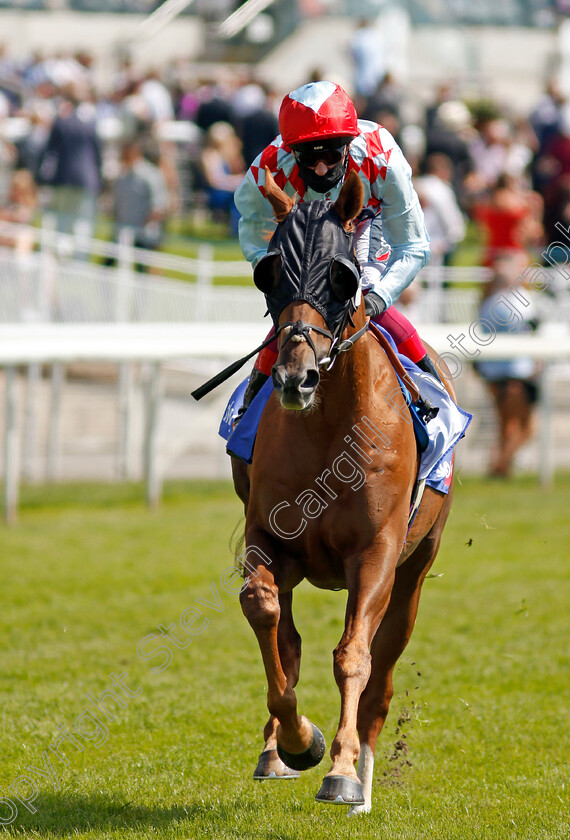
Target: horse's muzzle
{"type": "Point", "coordinates": [295, 390]}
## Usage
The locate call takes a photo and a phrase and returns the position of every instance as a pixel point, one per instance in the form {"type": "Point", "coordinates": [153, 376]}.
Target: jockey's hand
{"type": "Point", "coordinates": [373, 304]}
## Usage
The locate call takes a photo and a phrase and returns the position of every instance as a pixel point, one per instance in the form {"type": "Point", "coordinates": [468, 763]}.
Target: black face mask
{"type": "Point", "coordinates": [323, 183]}
{"type": "Point", "coordinates": [308, 249]}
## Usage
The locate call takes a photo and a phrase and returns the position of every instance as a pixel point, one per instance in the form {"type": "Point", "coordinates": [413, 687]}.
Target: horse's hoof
{"type": "Point", "coordinates": [270, 766]}
{"type": "Point", "coordinates": [310, 757]}
{"type": "Point", "coordinates": [341, 790]}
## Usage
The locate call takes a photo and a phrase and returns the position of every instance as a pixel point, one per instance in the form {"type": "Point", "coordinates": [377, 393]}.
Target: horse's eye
{"type": "Point", "coordinates": [344, 277]}
{"type": "Point", "coordinates": [267, 272]}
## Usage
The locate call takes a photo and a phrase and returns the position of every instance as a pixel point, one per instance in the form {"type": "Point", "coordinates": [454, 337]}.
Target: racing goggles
{"type": "Point", "coordinates": [310, 157]}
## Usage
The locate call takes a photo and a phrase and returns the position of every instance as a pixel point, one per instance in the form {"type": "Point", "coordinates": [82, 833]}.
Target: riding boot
{"type": "Point", "coordinates": [427, 409]}
{"type": "Point", "coordinates": [257, 380]}
{"type": "Point", "coordinates": [428, 366]}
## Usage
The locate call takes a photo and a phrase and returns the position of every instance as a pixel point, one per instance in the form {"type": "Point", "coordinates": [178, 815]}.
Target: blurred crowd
{"type": "Point", "coordinates": [473, 162]}
{"type": "Point", "coordinates": [156, 145]}
{"type": "Point", "coordinates": [71, 147]}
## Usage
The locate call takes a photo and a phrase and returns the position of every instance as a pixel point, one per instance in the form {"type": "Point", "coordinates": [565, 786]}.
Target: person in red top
{"type": "Point", "coordinates": [510, 219]}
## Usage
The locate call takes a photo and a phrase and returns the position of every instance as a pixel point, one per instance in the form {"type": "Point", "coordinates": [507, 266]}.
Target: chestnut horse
{"type": "Point", "coordinates": [327, 496]}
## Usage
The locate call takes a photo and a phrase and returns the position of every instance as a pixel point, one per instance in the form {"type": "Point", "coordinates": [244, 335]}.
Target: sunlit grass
{"type": "Point", "coordinates": [481, 692]}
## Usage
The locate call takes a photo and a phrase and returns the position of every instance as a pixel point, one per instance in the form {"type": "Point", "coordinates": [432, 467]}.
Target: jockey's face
{"type": "Point", "coordinates": [321, 160]}
{"type": "Point", "coordinates": [320, 166]}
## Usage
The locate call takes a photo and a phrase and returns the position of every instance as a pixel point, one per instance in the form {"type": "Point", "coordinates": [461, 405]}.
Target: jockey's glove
{"type": "Point", "coordinates": [374, 305]}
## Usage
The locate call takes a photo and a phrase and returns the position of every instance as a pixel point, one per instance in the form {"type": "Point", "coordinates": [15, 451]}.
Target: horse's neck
{"type": "Point", "coordinates": [352, 384]}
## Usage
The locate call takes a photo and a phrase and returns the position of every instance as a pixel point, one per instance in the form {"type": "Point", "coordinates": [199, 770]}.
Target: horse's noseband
{"type": "Point", "coordinates": [298, 331]}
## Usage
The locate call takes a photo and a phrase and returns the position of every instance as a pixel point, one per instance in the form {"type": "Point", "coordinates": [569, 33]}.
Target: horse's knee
{"type": "Point", "coordinates": [260, 602]}
{"type": "Point", "coordinates": [351, 660]}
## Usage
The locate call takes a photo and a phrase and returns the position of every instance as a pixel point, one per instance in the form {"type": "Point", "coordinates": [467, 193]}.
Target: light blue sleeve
{"type": "Point", "coordinates": [257, 221]}
{"type": "Point", "coordinates": [401, 225]}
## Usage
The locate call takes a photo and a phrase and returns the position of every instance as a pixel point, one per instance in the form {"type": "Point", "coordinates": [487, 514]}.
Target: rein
{"type": "Point", "coordinates": [292, 329]}
{"type": "Point", "coordinates": [342, 346]}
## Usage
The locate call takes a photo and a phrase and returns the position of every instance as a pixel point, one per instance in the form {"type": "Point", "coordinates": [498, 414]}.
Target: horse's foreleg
{"type": "Point", "coordinates": [369, 595]}
{"type": "Point", "coordinates": [298, 740]}
{"type": "Point", "coordinates": [388, 644]}
{"type": "Point", "coordinates": [269, 765]}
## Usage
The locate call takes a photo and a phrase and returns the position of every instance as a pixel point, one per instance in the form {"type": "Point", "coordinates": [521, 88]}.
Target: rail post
{"type": "Point", "coordinates": [11, 466]}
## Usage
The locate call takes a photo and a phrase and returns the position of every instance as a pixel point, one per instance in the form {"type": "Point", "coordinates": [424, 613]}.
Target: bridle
{"type": "Point", "coordinates": [298, 331]}
{"type": "Point", "coordinates": [294, 330]}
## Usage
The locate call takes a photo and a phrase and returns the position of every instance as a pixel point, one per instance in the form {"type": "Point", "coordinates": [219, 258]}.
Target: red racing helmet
{"type": "Point", "coordinates": [317, 110]}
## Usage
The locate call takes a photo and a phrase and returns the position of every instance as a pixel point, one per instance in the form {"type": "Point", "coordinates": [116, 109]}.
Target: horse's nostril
{"type": "Point", "coordinates": [311, 379]}
{"type": "Point", "coordinates": [278, 378]}
{"type": "Point", "coordinates": [290, 382]}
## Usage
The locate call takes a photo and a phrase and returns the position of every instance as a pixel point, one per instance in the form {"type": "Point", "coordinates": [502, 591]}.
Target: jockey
{"type": "Point", "coordinates": [321, 140]}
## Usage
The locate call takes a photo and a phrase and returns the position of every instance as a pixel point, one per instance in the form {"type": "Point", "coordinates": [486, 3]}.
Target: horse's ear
{"type": "Point", "coordinates": [279, 200]}
{"type": "Point", "coordinates": [349, 202]}
{"type": "Point", "coordinates": [267, 272]}
{"type": "Point", "coordinates": [345, 278]}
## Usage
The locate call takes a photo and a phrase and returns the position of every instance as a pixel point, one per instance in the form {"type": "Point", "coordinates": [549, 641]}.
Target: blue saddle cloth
{"type": "Point", "coordinates": [435, 443]}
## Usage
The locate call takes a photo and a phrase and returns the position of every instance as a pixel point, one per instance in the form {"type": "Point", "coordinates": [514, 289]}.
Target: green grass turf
{"type": "Point", "coordinates": [481, 692]}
